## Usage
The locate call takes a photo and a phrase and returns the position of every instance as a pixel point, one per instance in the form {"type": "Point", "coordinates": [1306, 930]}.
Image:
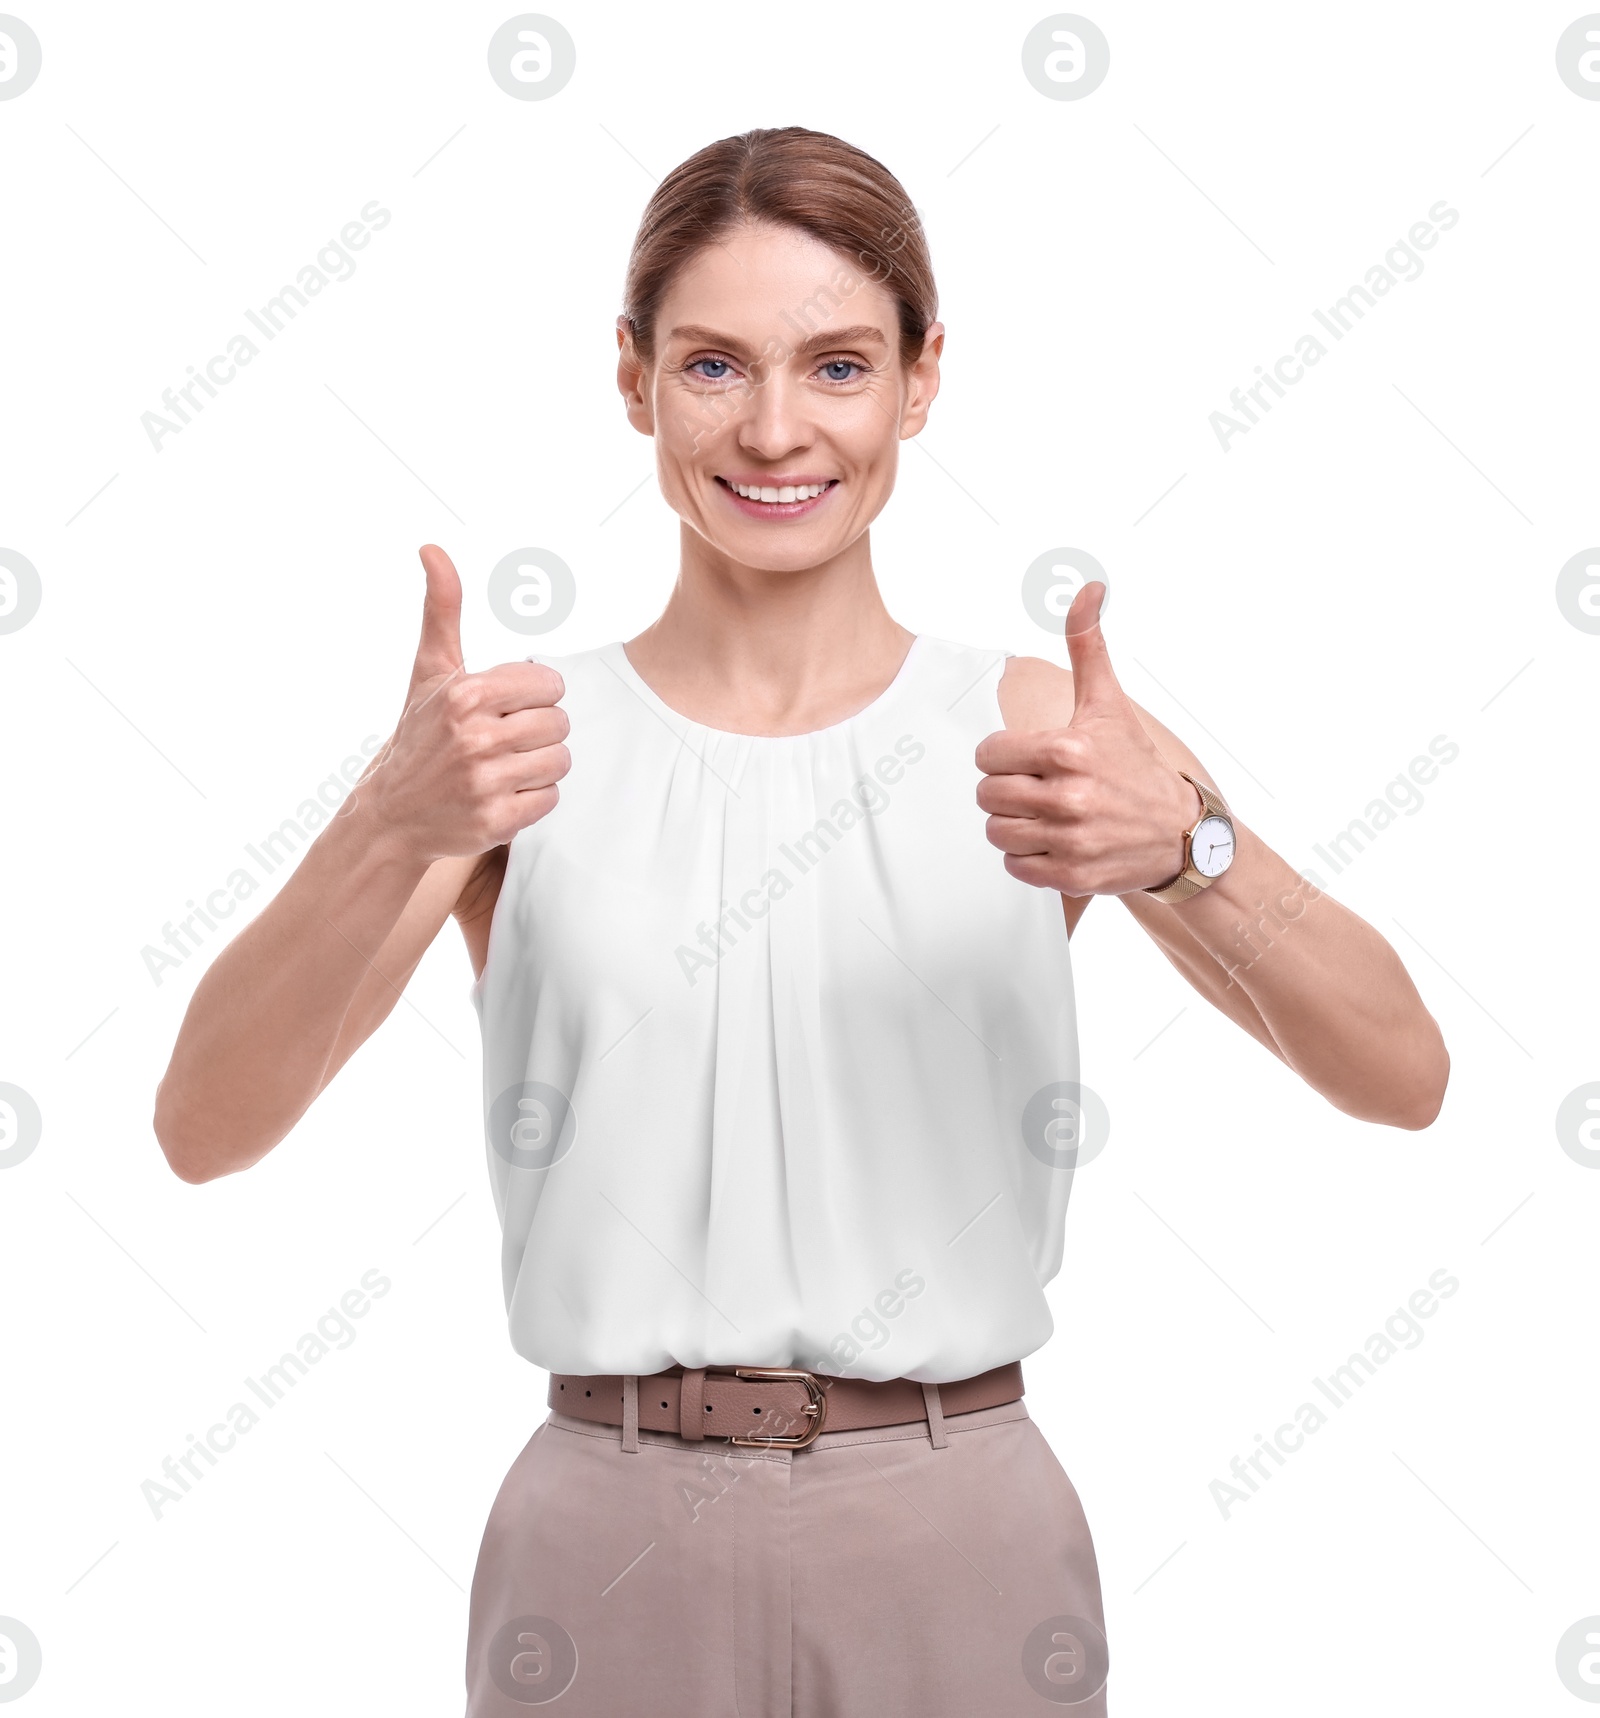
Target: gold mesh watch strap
{"type": "Point", "coordinates": [1189, 881]}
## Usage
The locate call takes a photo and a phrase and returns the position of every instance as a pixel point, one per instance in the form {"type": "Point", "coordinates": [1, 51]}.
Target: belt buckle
{"type": "Point", "coordinates": [817, 1407]}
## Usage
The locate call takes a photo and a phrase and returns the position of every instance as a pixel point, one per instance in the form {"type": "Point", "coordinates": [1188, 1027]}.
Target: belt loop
{"type": "Point", "coordinates": [930, 1400]}
{"type": "Point", "coordinates": [630, 1413]}
{"type": "Point", "coordinates": [691, 1403]}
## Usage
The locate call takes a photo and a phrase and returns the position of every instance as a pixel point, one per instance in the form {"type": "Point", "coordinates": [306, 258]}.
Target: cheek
{"type": "Point", "coordinates": [692, 426]}
{"type": "Point", "coordinates": [866, 432]}
{"type": "Point", "coordinates": [684, 430]}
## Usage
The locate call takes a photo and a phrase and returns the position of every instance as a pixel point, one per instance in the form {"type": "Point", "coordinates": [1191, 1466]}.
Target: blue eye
{"type": "Point", "coordinates": [834, 370]}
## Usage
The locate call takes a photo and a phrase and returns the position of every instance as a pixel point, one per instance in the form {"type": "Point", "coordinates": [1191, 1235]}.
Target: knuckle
{"type": "Point", "coordinates": [476, 741]}
{"type": "Point", "coordinates": [545, 683]}
{"type": "Point", "coordinates": [1062, 749]}
{"type": "Point", "coordinates": [1076, 849]}
{"type": "Point", "coordinates": [539, 804]}
{"type": "Point", "coordinates": [548, 725]}
{"type": "Point", "coordinates": [459, 698]}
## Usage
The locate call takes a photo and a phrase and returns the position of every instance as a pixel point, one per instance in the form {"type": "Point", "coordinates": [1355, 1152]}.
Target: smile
{"type": "Point", "coordinates": [777, 500]}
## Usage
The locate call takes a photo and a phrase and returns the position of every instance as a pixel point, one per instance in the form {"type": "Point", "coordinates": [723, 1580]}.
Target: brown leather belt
{"type": "Point", "coordinates": [777, 1407]}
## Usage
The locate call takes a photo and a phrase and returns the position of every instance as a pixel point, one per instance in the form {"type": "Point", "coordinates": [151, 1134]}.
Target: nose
{"type": "Point", "coordinates": [773, 421]}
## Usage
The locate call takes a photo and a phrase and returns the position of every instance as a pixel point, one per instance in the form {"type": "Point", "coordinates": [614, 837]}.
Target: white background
{"type": "Point", "coordinates": [1373, 565]}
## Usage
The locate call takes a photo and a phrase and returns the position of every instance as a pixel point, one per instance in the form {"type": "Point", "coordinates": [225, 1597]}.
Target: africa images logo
{"type": "Point", "coordinates": [1400, 263]}
{"type": "Point", "coordinates": [868, 798]}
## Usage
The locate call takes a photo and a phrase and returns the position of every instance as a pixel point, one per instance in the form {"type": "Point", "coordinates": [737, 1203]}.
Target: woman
{"type": "Point", "coordinates": [779, 1042]}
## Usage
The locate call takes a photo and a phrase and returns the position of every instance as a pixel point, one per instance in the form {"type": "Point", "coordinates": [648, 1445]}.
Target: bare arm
{"type": "Point", "coordinates": [1316, 983]}
{"type": "Point", "coordinates": [287, 1003]}
{"type": "Point", "coordinates": [473, 760]}
{"type": "Point", "coordinates": [1309, 979]}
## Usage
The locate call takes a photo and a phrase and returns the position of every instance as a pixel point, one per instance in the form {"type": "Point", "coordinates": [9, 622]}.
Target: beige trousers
{"type": "Point", "coordinates": [937, 1568]}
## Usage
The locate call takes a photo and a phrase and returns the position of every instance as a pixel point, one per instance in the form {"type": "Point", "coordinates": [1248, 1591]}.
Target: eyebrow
{"type": "Point", "coordinates": [862, 334]}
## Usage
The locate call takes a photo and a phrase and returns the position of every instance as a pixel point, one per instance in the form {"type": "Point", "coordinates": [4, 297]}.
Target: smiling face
{"type": "Point", "coordinates": [777, 397]}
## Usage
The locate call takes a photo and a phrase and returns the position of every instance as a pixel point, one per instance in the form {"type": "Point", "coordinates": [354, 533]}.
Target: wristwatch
{"type": "Point", "coordinates": [1207, 848]}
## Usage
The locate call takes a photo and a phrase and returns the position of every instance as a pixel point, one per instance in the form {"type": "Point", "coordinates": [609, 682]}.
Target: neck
{"type": "Point", "coordinates": [762, 651]}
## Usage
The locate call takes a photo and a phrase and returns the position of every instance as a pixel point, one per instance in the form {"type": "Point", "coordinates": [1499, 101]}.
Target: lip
{"type": "Point", "coordinates": [764, 479]}
{"type": "Point", "coordinates": [775, 509]}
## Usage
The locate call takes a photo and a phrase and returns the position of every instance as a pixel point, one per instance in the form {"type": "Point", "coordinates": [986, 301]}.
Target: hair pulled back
{"type": "Point", "coordinates": [785, 176]}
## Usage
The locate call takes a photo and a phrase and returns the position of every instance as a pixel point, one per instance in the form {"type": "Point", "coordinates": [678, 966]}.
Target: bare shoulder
{"type": "Point", "coordinates": [1035, 694]}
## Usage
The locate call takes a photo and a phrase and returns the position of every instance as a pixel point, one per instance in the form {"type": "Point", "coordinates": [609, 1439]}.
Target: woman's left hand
{"type": "Point", "coordinates": [1092, 808]}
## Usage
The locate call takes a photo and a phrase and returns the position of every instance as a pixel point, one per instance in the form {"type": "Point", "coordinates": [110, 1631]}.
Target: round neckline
{"type": "Point", "coordinates": [619, 660]}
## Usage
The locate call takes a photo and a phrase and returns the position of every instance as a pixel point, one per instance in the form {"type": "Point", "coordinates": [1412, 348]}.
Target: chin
{"type": "Point", "coordinates": [759, 551]}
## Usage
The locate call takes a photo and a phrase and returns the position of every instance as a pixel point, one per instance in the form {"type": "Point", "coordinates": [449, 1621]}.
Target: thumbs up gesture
{"type": "Point", "coordinates": [1092, 808]}
{"type": "Point", "coordinates": [474, 757]}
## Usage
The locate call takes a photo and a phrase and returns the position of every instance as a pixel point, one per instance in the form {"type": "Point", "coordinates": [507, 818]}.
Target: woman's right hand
{"type": "Point", "coordinates": [474, 757]}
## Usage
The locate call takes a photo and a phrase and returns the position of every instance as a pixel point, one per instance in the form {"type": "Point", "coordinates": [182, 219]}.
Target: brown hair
{"type": "Point", "coordinates": [792, 177]}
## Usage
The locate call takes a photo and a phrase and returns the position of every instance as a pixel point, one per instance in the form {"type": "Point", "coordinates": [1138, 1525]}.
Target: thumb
{"type": "Point", "coordinates": [439, 648]}
{"type": "Point", "coordinates": [1095, 685]}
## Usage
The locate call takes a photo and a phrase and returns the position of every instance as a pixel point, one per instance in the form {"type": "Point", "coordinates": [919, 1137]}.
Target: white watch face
{"type": "Point", "coordinates": [1211, 847]}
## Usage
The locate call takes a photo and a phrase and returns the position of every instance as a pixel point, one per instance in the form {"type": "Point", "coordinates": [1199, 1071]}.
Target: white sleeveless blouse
{"type": "Point", "coordinates": [779, 1061]}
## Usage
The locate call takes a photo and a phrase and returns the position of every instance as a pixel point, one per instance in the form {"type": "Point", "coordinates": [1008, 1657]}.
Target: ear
{"type": "Point", "coordinates": [922, 382]}
{"type": "Point", "coordinates": [632, 379]}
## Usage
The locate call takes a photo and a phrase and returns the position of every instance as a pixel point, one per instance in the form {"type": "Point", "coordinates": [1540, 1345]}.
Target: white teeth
{"type": "Point", "coordinates": [788, 492]}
